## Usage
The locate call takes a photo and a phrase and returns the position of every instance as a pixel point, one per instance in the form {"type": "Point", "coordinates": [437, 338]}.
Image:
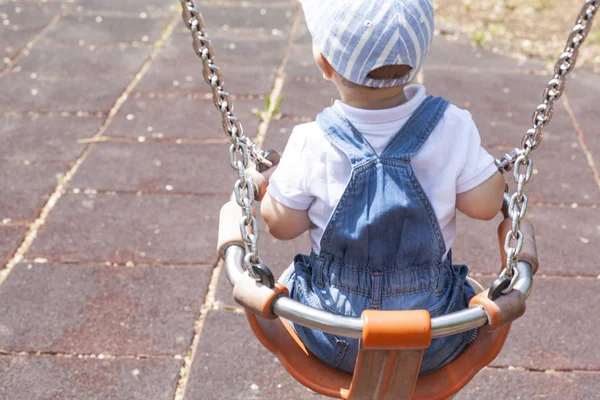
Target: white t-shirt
{"type": "Point", "coordinates": [313, 173]}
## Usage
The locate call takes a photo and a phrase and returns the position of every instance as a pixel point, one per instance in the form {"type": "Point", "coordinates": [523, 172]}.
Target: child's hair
{"type": "Point", "coordinates": [386, 72]}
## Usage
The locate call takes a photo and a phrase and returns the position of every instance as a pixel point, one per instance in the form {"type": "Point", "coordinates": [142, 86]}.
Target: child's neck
{"type": "Point", "coordinates": [373, 99]}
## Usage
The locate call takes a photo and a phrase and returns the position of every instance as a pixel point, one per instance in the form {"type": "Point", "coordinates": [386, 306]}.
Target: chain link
{"type": "Point", "coordinates": [520, 159]}
{"type": "Point", "coordinates": [242, 150]}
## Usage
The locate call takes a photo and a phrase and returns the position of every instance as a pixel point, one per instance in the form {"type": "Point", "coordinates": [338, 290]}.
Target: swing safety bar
{"type": "Point", "coordinates": [294, 311]}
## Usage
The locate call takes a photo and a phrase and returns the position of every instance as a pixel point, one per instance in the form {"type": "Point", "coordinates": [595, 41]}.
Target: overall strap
{"type": "Point", "coordinates": [343, 135]}
{"type": "Point", "coordinates": [417, 129]}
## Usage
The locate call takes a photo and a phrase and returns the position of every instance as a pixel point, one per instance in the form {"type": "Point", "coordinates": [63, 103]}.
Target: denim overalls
{"type": "Point", "coordinates": [383, 248]}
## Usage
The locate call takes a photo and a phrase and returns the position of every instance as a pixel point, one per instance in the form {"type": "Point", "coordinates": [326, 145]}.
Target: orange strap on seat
{"type": "Point", "coordinates": [256, 297]}
{"type": "Point", "coordinates": [385, 374]}
{"type": "Point", "coordinates": [396, 330]}
{"type": "Point", "coordinates": [502, 311]}
{"type": "Point", "coordinates": [390, 355]}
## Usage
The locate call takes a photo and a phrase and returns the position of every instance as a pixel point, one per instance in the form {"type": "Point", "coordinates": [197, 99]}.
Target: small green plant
{"type": "Point", "coordinates": [479, 38]}
{"type": "Point", "coordinates": [270, 109]}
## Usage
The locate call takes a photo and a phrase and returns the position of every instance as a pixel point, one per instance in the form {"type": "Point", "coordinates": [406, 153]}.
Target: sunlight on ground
{"type": "Point", "coordinates": [530, 28]}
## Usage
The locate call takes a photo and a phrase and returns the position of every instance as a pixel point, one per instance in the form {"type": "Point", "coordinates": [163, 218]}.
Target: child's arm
{"type": "Point", "coordinates": [483, 201]}
{"type": "Point", "coordinates": [479, 185]}
{"type": "Point", "coordinates": [285, 205]}
{"type": "Point", "coordinates": [284, 223]}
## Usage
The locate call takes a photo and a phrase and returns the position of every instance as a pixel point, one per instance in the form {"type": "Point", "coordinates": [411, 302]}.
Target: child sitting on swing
{"type": "Point", "coordinates": [377, 179]}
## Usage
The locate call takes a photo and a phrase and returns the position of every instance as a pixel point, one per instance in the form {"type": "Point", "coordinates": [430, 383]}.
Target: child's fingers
{"type": "Point", "coordinates": [267, 174]}
{"type": "Point", "coordinates": [260, 180]}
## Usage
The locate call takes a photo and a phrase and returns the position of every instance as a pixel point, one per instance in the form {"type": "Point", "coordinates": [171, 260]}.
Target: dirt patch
{"type": "Point", "coordinates": [518, 28]}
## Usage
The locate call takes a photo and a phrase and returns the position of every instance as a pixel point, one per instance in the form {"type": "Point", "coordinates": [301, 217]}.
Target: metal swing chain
{"type": "Point", "coordinates": [241, 144]}
{"type": "Point", "coordinates": [520, 158]}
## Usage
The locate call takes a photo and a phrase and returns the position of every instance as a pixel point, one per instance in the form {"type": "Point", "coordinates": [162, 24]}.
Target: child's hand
{"type": "Point", "coordinates": [260, 179]}
{"type": "Point", "coordinates": [267, 173]}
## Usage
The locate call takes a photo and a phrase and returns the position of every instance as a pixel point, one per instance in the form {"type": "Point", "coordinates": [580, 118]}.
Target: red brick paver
{"type": "Point", "coordinates": [101, 309]}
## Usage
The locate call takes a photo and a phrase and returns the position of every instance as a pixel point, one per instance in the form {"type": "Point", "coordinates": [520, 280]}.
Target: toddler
{"type": "Point", "coordinates": [377, 179]}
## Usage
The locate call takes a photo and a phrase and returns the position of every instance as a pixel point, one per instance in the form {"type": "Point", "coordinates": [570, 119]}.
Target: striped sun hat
{"type": "Point", "coordinates": [359, 36]}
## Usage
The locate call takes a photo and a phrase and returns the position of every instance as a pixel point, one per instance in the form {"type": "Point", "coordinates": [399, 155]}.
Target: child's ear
{"type": "Point", "coordinates": [322, 63]}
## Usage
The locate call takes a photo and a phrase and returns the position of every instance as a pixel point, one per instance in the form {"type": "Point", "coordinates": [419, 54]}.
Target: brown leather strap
{"type": "Point", "coordinates": [229, 227]}
{"type": "Point", "coordinates": [501, 311]}
{"type": "Point", "coordinates": [529, 251]}
{"type": "Point", "coordinates": [256, 297]}
{"type": "Point", "coordinates": [385, 375]}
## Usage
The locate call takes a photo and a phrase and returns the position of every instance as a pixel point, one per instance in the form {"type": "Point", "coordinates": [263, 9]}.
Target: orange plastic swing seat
{"type": "Point", "coordinates": [279, 337]}
{"type": "Point", "coordinates": [393, 342]}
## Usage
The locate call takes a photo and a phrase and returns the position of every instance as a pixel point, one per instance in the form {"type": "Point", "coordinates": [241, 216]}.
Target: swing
{"type": "Point", "coordinates": [392, 342]}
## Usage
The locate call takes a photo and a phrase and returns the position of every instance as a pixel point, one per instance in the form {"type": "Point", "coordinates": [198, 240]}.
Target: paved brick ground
{"type": "Point", "coordinates": [114, 166]}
